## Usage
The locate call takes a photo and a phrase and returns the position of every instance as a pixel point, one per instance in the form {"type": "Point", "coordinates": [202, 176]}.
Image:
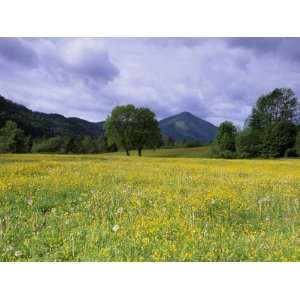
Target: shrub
{"type": "Point", "coordinates": [291, 152]}
{"type": "Point", "coordinates": [50, 145]}
{"type": "Point", "coordinates": [227, 154]}
{"type": "Point", "coordinates": [214, 151]}
{"type": "Point", "coordinates": [191, 144]}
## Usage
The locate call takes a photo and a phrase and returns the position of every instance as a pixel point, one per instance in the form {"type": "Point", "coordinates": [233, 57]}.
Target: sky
{"type": "Point", "coordinates": [215, 79]}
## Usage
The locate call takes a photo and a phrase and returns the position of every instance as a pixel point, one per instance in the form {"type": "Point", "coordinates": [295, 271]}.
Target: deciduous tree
{"type": "Point", "coordinates": [12, 138]}
{"type": "Point", "coordinates": [119, 127]}
{"type": "Point", "coordinates": [226, 136]}
{"type": "Point", "coordinates": [146, 130]}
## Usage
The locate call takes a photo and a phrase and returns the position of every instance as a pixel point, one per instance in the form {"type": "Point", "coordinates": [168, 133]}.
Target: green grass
{"type": "Point", "coordinates": [194, 152]}
{"type": "Point", "coordinates": [116, 208]}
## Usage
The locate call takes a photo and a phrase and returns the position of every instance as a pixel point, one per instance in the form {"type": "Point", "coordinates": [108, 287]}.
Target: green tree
{"type": "Point", "coordinates": [155, 141]}
{"type": "Point", "coordinates": [278, 138]}
{"type": "Point", "coordinates": [12, 138]}
{"type": "Point", "coordinates": [87, 145]}
{"type": "Point", "coordinates": [248, 143]}
{"type": "Point", "coordinates": [119, 127]}
{"type": "Point", "coordinates": [146, 130]}
{"type": "Point", "coordinates": [49, 145]}
{"type": "Point", "coordinates": [131, 127]}
{"type": "Point", "coordinates": [279, 105]}
{"type": "Point", "coordinates": [273, 118]}
{"type": "Point", "coordinates": [101, 145]}
{"type": "Point", "coordinates": [225, 138]}
{"type": "Point", "coordinates": [297, 143]}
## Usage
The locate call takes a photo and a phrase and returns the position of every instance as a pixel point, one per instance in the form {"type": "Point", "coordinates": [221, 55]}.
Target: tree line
{"type": "Point", "coordinates": [271, 131]}
{"type": "Point", "coordinates": [126, 128]}
{"type": "Point", "coordinates": [14, 140]}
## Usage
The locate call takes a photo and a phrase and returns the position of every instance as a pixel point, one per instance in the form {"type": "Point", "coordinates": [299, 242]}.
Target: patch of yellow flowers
{"type": "Point", "coordinates": [114, 208]}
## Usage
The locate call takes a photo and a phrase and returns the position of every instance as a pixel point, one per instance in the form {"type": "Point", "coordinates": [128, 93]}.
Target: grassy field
{"type": "Point", "coordinates": [195, 152]}
{"type": "Point", "coordinates": [118, 208]}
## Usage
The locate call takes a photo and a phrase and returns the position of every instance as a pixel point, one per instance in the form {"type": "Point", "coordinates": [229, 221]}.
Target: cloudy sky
{"type": "Point", "coordinates": [213, 78]}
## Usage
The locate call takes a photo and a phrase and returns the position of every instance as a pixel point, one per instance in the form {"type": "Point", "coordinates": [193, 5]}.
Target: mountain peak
{"type": "Point", "coordinates": [186, 114]}
{"type": "Point", "coordinates": [186, 126]}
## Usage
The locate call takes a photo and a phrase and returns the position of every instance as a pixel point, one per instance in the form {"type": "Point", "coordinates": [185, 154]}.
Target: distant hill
{"type": "Point", "coordinates": [186, 126]}
{"type": "Point", "coordinates": [38, 124]}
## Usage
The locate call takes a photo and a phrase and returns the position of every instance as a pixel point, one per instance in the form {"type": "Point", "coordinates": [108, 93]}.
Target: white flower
{"type": "Point", "coordinates": [263, 200]}
{"type": "Point", "coordinates": [120, 210]}
{"type": "Point", "coordinates": [29, 201]}
{"type": "Point", "coordinates": [18, 253]}
{"type": "Point", "coordinates": [116, 228]}
{"type": "Point", "coordinates": [205, 230]}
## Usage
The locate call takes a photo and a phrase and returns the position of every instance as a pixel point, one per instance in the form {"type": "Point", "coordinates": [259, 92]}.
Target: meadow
{"type": "Point", "coordinates": [110, 207]}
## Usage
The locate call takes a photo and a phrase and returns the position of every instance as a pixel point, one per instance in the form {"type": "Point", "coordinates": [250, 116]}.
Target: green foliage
{"type": "Point", "coordinates": [226, 136]}
{"type": "Point", "coordinates": [278, 138]}
{"type": "Point", "coordinates": [227, 154]}
{"type": "Point", "coordinates": [270, 129]}
{"type": "Point", "coordinates": [279, 105]}
{"type": "Point", "coordinates": [146, 129]}
{"type": "Point", "coordinates": [67, 144]}
{"type": "Point", "coordinates": [132, 128]}
{"type": "Point", "coordinates": [119, 127]}
{"type": "Point", "coordinates": [39, 125]}
{"type": "Point", "coordinates": [297, 143]}
{"type": "Point", "coordinates": [214, 150]}
{"type": "Point", "coordinates": [50, 145]}
{"type": "Point", "coordinates": [12, 139]}
{"type": "Point", "coordinates": [248, 143]}
{"type": "Point", "coordinates": [291, 152]}
{"type": "Point", "coordinates": [49, 133]}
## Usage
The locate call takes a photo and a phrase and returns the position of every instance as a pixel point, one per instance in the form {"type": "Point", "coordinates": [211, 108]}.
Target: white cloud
{"type": "Point", "coordinates": [216, 79]}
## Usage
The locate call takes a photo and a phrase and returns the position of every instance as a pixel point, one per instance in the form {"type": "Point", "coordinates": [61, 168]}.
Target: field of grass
{"type": "Point", "coordinates": [116, 208]}
{"type": "Point", "coordinates": [195, 152]}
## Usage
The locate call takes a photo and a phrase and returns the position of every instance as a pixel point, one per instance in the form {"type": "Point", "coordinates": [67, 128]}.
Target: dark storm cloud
{"type": "Point", "coordinates": [258, 44]}
{"type": "Point", "coordinates": [15, 50]}
{"type": "Point", "coordinates": [98, 67]}
{"type": "Point", "coordinates": [84, 58]}
{"type": "Point", "coordinates": [178, 41]}
{"type": "Point", "coordinates": [213, 78]}
{"type": "Point", "coordinates": [284, 47]}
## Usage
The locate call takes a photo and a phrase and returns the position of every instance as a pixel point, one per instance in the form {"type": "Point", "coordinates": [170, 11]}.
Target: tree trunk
{"type": "Point", "coordinates": [127, 152]}
{"type": "Point", "coordinates": [140, 151]}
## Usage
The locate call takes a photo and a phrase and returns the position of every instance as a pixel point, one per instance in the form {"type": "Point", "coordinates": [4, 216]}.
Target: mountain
{"type": "Point", "coordinates": [38, 124]}
{"type": "Point", "coordinates": [186, 126]}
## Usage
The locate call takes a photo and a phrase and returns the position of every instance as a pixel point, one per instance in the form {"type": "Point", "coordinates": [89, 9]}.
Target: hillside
{"type": "Point", "coordinates": [186, 126]}
{"type": "Point", "coordinates": [38, 124]}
